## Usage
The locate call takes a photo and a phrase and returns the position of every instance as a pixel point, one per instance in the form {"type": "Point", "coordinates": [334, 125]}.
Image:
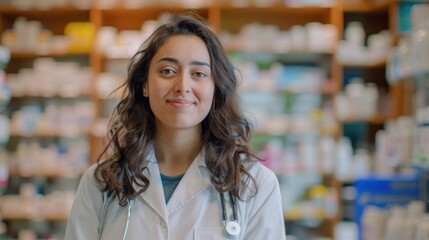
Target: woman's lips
{"type": "Point", "coordinates": [180, 103]}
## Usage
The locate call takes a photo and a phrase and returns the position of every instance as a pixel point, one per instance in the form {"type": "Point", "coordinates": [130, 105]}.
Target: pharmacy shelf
{"type": "Point", "coordinates": [278, 8]}
{"type": "Point", "coordinates": [377, 65]}
{"type": "Point", "coordinates": [378, 119]}
{"type": "Point", "coordinates": [52, 218]}
{"type": "Point", "coordinates": [25, 55]}
{"type": "Point", "coordinates": [269, 55]}
{"type": "Point", "coordinates": [48, 175]}
{"type": "Point", "coordinates": [317, 132]}
{"type": "Point", "coordinates": [326, 89]}
{"type": "Point", "coordinates": [55, 96]}
{"type": "Point", "coordinates": [367, 6]}
{"type": "Point", "coordinates": [50, 134]}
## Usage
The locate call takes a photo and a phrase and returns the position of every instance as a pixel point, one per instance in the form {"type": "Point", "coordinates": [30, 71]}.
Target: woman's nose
{"type": "Point", "coordinates": [182, 84]}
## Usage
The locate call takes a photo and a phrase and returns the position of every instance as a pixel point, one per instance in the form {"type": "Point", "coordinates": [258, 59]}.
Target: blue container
{"type": "Point", "coordinates": [385, 192]}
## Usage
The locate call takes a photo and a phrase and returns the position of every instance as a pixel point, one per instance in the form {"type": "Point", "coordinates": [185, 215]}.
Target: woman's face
{"type": "Point", "coordinates": [180, 85]}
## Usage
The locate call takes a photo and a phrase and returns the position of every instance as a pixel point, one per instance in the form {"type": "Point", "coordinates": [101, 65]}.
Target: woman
{"type": "Point", "coordinates": [178, 164]}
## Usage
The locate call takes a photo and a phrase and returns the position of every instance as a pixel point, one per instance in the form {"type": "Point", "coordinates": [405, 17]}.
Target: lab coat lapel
{"type": "Point", "coordinates": [154, 195]}
{"type": "Point", "coordinates": [195, 180]}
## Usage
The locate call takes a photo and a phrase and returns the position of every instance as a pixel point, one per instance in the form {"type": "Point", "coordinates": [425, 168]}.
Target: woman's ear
{"type": "Point", "coordinates": [145, 92]}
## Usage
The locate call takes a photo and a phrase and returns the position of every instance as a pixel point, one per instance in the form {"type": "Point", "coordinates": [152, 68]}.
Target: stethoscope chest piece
{"type": "Point", "coordinates": [232, 229]}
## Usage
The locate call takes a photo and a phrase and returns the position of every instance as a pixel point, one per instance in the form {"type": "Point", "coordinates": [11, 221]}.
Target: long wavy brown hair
{"type": "Point", "coordinates": [132, 130]}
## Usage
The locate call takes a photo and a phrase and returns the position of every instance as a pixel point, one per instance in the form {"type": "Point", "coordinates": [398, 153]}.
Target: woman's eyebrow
{"type": "Point", "coordinates": [168, 59]}
{"type": "Point", "coordinates": [200, 63]}
{"type": "Point", "coordinates": [173, 60]}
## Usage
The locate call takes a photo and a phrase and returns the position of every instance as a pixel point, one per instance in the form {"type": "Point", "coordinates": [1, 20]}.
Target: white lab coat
{"type": "Point", "coordinates": [193, 211]}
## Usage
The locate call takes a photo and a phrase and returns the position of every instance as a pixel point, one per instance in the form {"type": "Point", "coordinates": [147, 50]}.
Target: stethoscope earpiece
{"type": "Point", "coordinates": [232, 229]}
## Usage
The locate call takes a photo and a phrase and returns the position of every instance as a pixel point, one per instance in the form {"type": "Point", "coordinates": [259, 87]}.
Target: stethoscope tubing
{"type": "Point", "coordinates": [233, 206]}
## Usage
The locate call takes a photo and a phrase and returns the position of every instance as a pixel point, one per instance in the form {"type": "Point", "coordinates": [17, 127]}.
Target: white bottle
{"type": "Point", "coordinates": [373, 220]}
{"type": "Point", "coordinates": [327, 155]}
{"type": "Point", "coordinates": [371, 99]}
{"type": "Point", "coordinates": [355, 92]}
{"type": "Point", "coordinates": [355, 34]}
{"type": "Point", "coordinates": [344, 157]}
{"type": "Point", "coordinates": [422, 231]}
{"type": "Point", "coordinates": [415, 211]}
{"type": "Point", "coordinates": [361, 163]}
{"type": "Point", "coordinates": [346, 230]}
{"type": "Point", "coordinates": [395, 224]}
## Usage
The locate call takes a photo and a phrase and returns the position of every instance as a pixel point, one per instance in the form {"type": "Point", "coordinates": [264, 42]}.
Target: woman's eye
{"type": "Point", "coordinates": [200, 74]}
{"type": "Point", "coordinates": [167, 72]}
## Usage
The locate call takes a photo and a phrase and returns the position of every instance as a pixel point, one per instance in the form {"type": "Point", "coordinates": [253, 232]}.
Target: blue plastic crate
{"type": "Point", "coordinates": [385, 192]}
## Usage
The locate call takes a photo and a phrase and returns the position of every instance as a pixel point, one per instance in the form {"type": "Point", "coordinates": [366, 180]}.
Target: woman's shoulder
{"type": "Point", "coordinates": [264, 179]}
{"type": "Point", "coordinates": [88, 175]}
{"type": "Point", "coordinates": [259, 171]}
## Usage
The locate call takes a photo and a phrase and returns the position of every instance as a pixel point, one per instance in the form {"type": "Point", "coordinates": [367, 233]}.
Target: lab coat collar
{"type": "Point", "coordinates": [195, 180]}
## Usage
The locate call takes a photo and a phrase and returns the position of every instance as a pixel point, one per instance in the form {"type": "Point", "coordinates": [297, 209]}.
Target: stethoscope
{"type": "Point", "coordinates": [232, 227]}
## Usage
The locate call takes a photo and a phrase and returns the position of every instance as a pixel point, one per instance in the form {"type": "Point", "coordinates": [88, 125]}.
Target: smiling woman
{"type": "Point", "coordinates": [178, 164]}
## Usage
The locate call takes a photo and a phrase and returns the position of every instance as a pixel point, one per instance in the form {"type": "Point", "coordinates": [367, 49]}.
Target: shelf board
{"type": "Point", "coordinates": [420, 166]}
{"type": "Point", "coordinates": [120, 9]}
{"type": "Point", "coordinates": [47, 134]}
{"type": "Point", "coordinates": [23, 55]}
{"type": "Point", "coordinates": [56, 218]}
{"type": "Point", "coordinates": [378, 119]}
{"type": "Point", "coordinates": [278, 8]}
{"type": "Point", "coordinates": [292, 56]}
{"type": "Point", "coordinates": [58, 96]}
{"type": "Point", "coordinates": [326, 90]}
{"type": "Point", "coordinates": [414, 75]}
{"type": "Point", "coordinates": [381, 64]}
{"type": "Point", "coordinates": [318, 132]}
{"type": "Point", "coordinates": [309, 220]}
{"type": "Point", "coordinates": [48, 175]}
{"type": "Point", "coordinates": [37, 13]}
{"type": "Point", "coordinates": [367, 7]}
{"type": "Point", "coordinates": [281, 15]}
{"type": "Point", "coordinates": [135, 17]}
{"type": "Point", "coordinates": [117, 57]}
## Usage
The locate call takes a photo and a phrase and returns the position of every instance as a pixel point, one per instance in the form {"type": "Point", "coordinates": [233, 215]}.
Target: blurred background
{"type": "Point", "coordinates": [338, 92]}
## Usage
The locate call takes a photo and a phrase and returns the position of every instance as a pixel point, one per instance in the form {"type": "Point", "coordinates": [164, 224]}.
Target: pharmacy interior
{"type": "Point", "coordinates": [338, 92]}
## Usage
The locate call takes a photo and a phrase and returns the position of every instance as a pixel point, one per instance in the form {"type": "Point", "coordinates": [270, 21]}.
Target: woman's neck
{"type": "Point", "coordinates": [176, 150]}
